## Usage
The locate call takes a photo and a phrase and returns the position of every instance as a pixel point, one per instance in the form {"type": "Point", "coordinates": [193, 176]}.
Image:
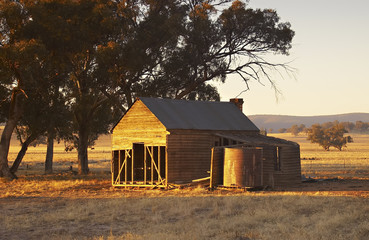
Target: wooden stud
{"type": "Point", "coordinates": [152, 165]}
{"type": "Point", "coordinates": [125, 169]}
{"type": "Point", "coordinates": [211, 167]}
{"type": "Point", "coordinates": [145, 165]}
{"type": "Point", "coordinates": [133, 157]}
{"type": "Point", "coordinates": [112, 167]}
{"type": "Point", "coordinates": [118, 178]}
{"type": "Point", "coordinates": [159, 150]}
{"type": "Point", "coordinates": [166, 166]}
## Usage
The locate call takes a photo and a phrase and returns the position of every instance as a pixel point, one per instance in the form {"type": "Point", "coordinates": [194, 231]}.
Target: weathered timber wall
{"type": "Point", "coordinates": [139, 124]}
{"type": "Point", "coordinates": [268, 165]}
{"type": "Point", "coordinates": [290, 174]}
{"type": "Point", "coordinates": [189, 156]}
{"type": "Point", "coordinates": [290, 171]}
{"type": "Point", "coordinates": [217, 167]}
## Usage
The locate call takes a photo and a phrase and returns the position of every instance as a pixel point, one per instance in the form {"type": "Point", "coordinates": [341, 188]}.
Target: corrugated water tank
{"type": "Point", "coordinates": [242, 167]}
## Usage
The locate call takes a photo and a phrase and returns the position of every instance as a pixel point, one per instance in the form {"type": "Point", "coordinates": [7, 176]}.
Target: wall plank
{"type": "Point", "coordinates": [139, 124]}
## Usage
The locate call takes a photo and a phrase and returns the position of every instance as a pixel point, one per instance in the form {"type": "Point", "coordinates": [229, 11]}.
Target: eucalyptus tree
{"type": "Point", "coordinates": [20, 68]}
{"type": "Point", "coordinates": [327, 136]}
{"type": "Point", "coordinates": [177, 49]}
{"type": "Point", "coordinates": [45, 118]}
{"type": "Point", "coordinates": [147, 38]}
{"type": "Point", "coordinates": [108, 52]}
{"type": "Point", "coordinates": [31, 79]}
{"type": "Point", "coordinates": [217, 43]}
{"type": "Point", "coordinates": [74, 30]}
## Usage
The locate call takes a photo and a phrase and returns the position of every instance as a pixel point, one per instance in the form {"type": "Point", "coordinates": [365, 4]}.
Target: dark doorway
{"type": "Point", "coordinates": [138, 161]}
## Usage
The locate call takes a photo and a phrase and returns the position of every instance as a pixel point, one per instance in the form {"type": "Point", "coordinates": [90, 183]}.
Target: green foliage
{"type": "Point", "coordinates": [295, 129]}
{"type": "Point", "coordinates": [329, 136]}
{"type": "Point", "coordinates": [214, 45]}
{"type": "Point", "coordinates": [361, 126]}
{"type": "Point", "coordinates": [82, 63]}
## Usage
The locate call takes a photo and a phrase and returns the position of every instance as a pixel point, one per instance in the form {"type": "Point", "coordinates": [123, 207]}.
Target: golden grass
{"type": "Point", "coordinates": [195, 217]}
{"type": "Point", "coordinates": [33, 162]}
{"type": "Point", "coordinates": [352, 162]}
{"type": "Point", "coordinates": [64, 205]}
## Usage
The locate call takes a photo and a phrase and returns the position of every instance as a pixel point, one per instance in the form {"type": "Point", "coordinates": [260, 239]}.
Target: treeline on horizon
{"type": "Point", "coordinates": [350, 127]}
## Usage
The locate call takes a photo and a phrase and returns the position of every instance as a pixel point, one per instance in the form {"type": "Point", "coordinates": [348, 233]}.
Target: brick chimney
{"type": "Point", "coordinates": [238, 102]}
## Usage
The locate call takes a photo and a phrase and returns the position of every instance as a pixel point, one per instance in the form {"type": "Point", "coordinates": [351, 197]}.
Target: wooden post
{"type": "Point", "coordinates": [166, 166]}
{"type": "Point", "coordinates": [152, 164]}
{"type": "Point", "coordinates": [112, 167]}
{"type": "Point", "coordinates": [211, 168]}
{"type": "Point", "coordinates": [119, 166]}
{"type": "Point", "coordinates": [145, 165]}
{"type": "Point", "coordinates": [159, 172]}
{"type": "Point", "coordinates": [126, 165]}
{"type": "Point", "coordinates": [133, 157]}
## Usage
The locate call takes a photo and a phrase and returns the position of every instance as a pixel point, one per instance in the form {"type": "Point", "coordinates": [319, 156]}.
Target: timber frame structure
{"type": "Point", "coordinates": [141, 166]}
{"type": "Point", "coordinates": [159, 142]}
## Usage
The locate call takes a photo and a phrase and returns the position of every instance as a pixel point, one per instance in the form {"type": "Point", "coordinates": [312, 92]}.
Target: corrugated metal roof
{"type": "Point", "coordinates": [257, 140]}
{"type": "Point", "coordinates": [198, 115]}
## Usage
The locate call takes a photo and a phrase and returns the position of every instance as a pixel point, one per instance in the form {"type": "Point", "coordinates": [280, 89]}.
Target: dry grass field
{"type": "Point", "coordinates": [352, 162]}
{"type": "Point", "coordinates": [64, 205]}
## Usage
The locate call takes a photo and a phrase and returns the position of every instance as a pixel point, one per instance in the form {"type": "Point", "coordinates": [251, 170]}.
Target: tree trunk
{"type": "Point", "coordinates": [15, 113]}
{"type": "Point", "coordinates": [4, 149]}
{"type": "Point", "coordinates": [82, 149]}
{"type": "Point", "coordinates": [49, 153]}
{"type": "Point", "coordinates": [22, 152]}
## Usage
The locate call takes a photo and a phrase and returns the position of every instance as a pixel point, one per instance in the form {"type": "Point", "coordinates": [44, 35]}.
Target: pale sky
{"type": "Point", "coordinates": [331, 54]}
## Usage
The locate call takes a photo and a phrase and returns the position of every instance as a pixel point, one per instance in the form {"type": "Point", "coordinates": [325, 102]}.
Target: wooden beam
{"type": "Point", "coordinates": [125, 169]}
{"type": "Point", "coordinates": [112, 167]}
{"type": "Point", "coordinates": [141, 185]}
{"type": "Point", "coordinates": [166, 164]}
{"type": "Point", "coordinates": [211, 167]}
{"type": "Point", "coordinates": [159, 160]}
{"type": "Point", "coordinates": [152, 165]}
{"type": "Point", "coordinates": [118, 178]}
{"type": "Point", "coordinates": [132, 180]}
{"type": "Point", "coordinates": [145, 174]}
{"type": "Point", "coordinates": [201, 179]}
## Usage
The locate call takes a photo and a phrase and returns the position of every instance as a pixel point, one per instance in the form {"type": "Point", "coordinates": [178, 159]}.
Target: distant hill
{"type": "Point", "coordinates": [276, 122]}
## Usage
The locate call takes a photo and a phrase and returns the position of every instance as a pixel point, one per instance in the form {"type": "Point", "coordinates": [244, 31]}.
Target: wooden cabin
{"type": "Point", "coordinates": [158, 142]}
